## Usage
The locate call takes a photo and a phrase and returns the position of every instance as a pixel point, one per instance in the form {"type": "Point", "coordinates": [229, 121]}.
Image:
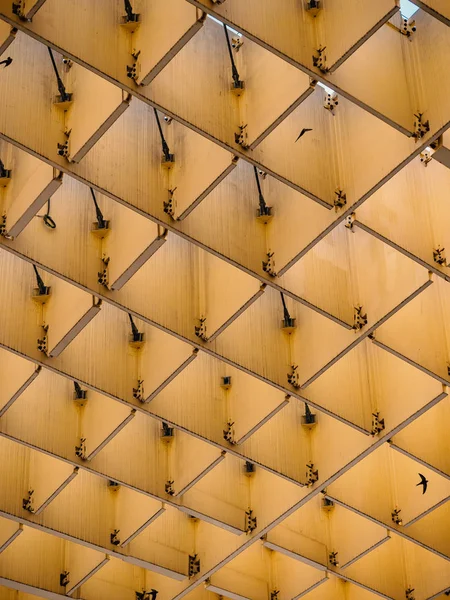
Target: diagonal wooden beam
{"type": "Point", "coordinates": [368, 332]}
{"type": "Point", "coordinates": [91, 573]}
{"type": "Point", "coordinates": [20, 390]}
{"type": "Point", "coordinates": [394, 446]}
{"type": "Point", "coordinates": [391, 528]}
{"type": "Point", "coordinates": [10, 540]}
{"type": "Point", "coordinates": [320, 488]}
{"type": "Point", "coordinates": [63, 485]}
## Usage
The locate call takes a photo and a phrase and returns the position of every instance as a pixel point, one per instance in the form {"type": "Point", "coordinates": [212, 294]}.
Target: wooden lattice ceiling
{"type": "Point", "coordinates": [224, 324]}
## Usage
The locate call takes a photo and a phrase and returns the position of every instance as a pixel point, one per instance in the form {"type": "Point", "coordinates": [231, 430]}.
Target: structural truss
{"type": "Point", "coordinates": [224, 299]}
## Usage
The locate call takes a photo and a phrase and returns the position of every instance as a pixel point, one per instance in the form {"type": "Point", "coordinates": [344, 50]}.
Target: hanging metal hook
{"type": "Point", "coordinates": [48, 221]}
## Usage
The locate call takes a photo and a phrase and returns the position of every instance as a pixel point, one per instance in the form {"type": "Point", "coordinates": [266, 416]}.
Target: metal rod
{"type": "Point", "coordinates": [78, 390]}
{"type": "Point", "coordinates": [287, 316]}
{"type": "Point", "coordinates": [236, 80]}
{"type": "Point", "coordinates": [262, 202]}
{"type": "Point", "coordinates": [41, 285]}
{"type": "Point", "coordinates": [165, 147]}
{"type": "Point", "coordinates": [308, 414]}
{"type": "Point", "coordinates": [62, 90]}
{"type": "Point", "coordinates": [129, 10]}
{"type": "Point", "coordinates": [134, 329]}
{"type": "Point", "coordinates": [101, 221]}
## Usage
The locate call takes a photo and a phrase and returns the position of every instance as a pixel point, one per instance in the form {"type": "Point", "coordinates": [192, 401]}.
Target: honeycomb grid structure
{"type": "Point", "coordinates": [224, 332]}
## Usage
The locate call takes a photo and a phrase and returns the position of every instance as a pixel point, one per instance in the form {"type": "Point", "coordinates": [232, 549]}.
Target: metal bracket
{"type": "Point", "coordinates": [269, 265]}
{"type": "Point", "coordinates": [103, 275]}
{"type": "Point", "coordinates": [194, 565]}
{"type": "Point", "coordinates": [27, 503]}
{"type": "Point", "coordinates": [349, 221]}
{"type": "Point", "coordinates": [144, 595]}
{"type": "Point", "coordinates": [330, 101]}
{"type": "Point", "coordinates": [42, 343]}
{"type": "Point", "coordinates": [200, 330]}
{"type": "Point", "coordinates": [228, 433]}
{"type": "Point", "coordinates": [226, 382]}
{"type": "Point", "coordinates": [425, 157]}
{"type": "Point", "coordinates": [251, 522]}
{"type": "Point", "coordinates": [408, 27]}
{"type": "Point", "coordinates": [134, 70]}
{"type": "Point", "coordinates": [395, 516]}
{"type": "Point", "coordinates": [169, 205]}
{"type": "Point", "coordinates": [236, 43]}
{"type": "Point", "coordinates": [312, 475]}
{"type": "Point", "coordinates": [3, 230]}
{"type": "Point", "coordinates": [249, 468]}
{"type": "Point", "coordinates": [327, 504]}
{"type": "Point", "coordinates": [439, 256]}
{"type": "Point", "coordinates": [377, 423]}
{"type": "Point", "coordinates": [341, 199]}
{"type": "Point", "coordinates": [114, 537]}
{"type": "Point", "coordinates": [167, 432]}
{"type": "Point", "coordinates": [313, 7]}
{"type": "Point", "coordinates": [63, 149]}
{"type": "Point", "coordinates": [79, 395]}
{"type": "Point", "coordinates": [138, 392]}
{"type": "Point", "coordinates": [18, 9]}
{"type": "Point", "coordinates": [320, 59]}
{"type": "Point", "coordinates": [168, 487]}
{"type": "Point", "coordinates": [80, 450]}
{"type": "Point", "coordinates": [420, 127]}
{"type": "Point", "coordinates": [359, 318]}
{"type": "Point", "coordinates": [308, 419]}
{"type": "Point", "coordinates": [332, 559]}
{"type": "Point", "coordinates": [241, 137]}
{"type": "Point", "coordinates": [293, 377]}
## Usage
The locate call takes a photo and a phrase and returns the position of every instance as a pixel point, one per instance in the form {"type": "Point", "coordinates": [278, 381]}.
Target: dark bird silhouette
{"type": "Point", "coordinates": [302, 132]}
{"type": "Point", "coordinates": [153, 594]}
{"type": "Point", "coordinates": [6, 62]}
{"type": "Point", "coordinates": [424, 482]}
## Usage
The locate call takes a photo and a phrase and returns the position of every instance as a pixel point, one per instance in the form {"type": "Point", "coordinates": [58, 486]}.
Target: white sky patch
{"type": "Point", "coordinates": [407, 8]}
{"type": "Point", "coordinates": [326, 88]}
{"type": "Point", "coordinates": [228, 27]}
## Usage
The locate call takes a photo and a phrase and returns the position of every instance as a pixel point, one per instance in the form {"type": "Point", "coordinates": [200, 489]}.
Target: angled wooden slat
{"type": "Point", "coordinates": [11, 538]}
{"type": "Point", "coordinates": [91, 573]}
{"type": "Point", "coordinates": [436, 8]}
{"type": "Point", "coordinates": [293, 36]}
{"type": "Point", "coordinates": [240, 228]}
{"type": "Point", "coordinates": [7, 35]}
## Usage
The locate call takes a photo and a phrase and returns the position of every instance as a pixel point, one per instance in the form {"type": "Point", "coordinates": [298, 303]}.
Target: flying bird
{"type": "Point", "coordinates": [302, 132]}
{"type": "Point", "coordinates": [6, 62]}
{"type": "Point", "coordinates": [424, 482]}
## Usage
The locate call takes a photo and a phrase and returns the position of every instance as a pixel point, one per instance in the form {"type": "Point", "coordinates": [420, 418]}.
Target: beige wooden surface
{"type": "Point", "coordinates": [288, 28]}
{"type": "Point", "coordinates": [437, 8]}
{"type": "Point", "coordinates": [243, 449]}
